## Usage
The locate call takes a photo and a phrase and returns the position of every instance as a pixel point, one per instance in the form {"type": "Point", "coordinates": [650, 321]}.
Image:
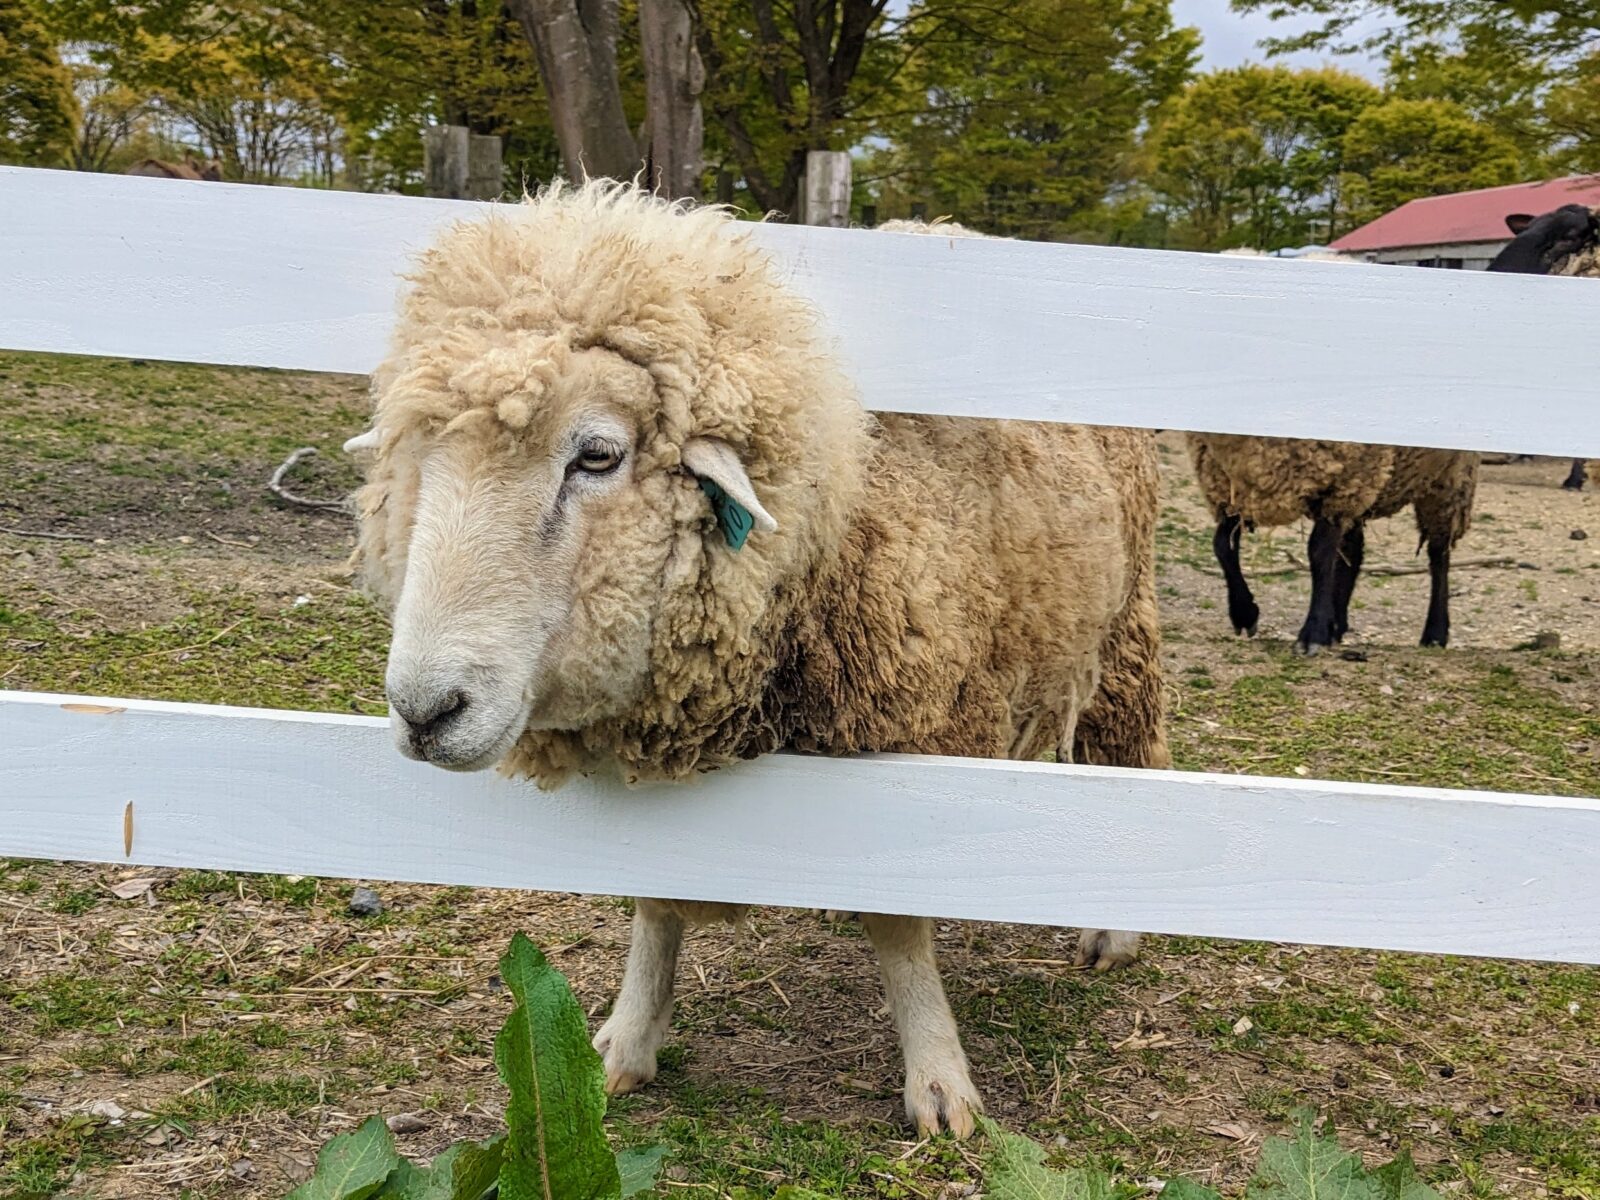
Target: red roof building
{"type": "Point", "coordinates": [1464, 230]}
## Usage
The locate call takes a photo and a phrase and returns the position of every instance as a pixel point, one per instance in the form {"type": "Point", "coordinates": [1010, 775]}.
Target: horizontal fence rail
{"type": "Point", "coordinates": [1398, 868]}
{"type": "Point", "coordinates": [284, 277]}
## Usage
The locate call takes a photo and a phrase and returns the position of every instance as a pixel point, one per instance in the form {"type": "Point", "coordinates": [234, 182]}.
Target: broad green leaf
{"type": "Point", "coordinates": [1310, 1168]}
{"type": "Point", "coordinates": [353, 1166]}
{"type": "Point", "coordinates": [1400, 1181]}
{"type": "Point", "coordinates": [1187, 1189]}
{"type": "Point", "coordinates": [555, 1145]}
{"type": "Point", "coordinates": [639, 1169]}
{"type": "Point", "coordinates": [1014, 1170]}
{"type": "Point", "coordinates": [463, 1172]}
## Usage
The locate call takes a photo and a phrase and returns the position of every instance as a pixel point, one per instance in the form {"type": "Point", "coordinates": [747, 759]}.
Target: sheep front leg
{"type": "Point", "coordinates": [639, 1020]}
{"type": "Point", "coordinates": [1322, 548]}
{"type": "Point", "coordinates": [1577, 477]}
{"type": "Point", "coordinates": [1346, 568]}
{"type": "Point", "coordinates": [939, 1091]}
{"type": "Point", "coordinates": [1436, 632]}
{"type": "Point", "coordinates": [1242, 609]}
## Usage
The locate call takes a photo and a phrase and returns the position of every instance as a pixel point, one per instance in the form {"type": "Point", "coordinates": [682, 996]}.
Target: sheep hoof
{"type": "Point", "coordinates": [1104, 949]}
{"type": "Point", "coordinates": [1307, 649]}
{"type": "Point", "coordinates": [630, 1059]}
{"type": "Point", "coordinates": [943, 1101]}
{"type": "Point", "coordinates": [1247, 630]}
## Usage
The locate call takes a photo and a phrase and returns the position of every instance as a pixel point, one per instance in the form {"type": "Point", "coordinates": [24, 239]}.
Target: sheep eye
{"type": "Point", "coordinates": [597, 459]}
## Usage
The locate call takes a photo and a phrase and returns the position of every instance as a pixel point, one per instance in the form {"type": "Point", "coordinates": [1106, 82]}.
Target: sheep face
{"type": "Point", "coordinates": [592, 400]}
{"type": "Point", "coordinates": [539, 546]}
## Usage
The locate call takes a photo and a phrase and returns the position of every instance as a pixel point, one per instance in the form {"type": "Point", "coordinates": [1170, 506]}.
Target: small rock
{"type": "Point", "coordinates": [1578, 535]}
{"type": "Point", "coordinates": [243, 1169]}
{"type": "Point", "coordinates": [1547, 640]}
{"type": "Point", "coordinates": [1353, 655]}
{"type": "Point", "coordinates": [406, 1123]}
{"type": "Point", "coordinates": [1340, 1080]}
{"type": "Point", "coordinates": [496, 984]}
{"type": "Point", "coordinates": [301, 601]}
{"type": "Point", "coordinates": [1527, 566]}
{"type": "Point", "coordinates": [1243, 1026]}
{"type": "Point", "coordinates": [1447, 1072]}
{"type": "Point", "coordinates": [364, 902]}
{"type": "Point", "coordinates": [1385, 690]}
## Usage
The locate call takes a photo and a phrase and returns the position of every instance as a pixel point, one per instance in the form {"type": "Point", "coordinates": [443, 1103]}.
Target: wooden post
{"type": "Point", "coordinates": [444, 161]}
{"type": "Point", "coordinates": [919, 212]}
{"type": "Point", "coordinates": [724, 187]}
{"type": "Point", "coordinates": [869, 216]}
{"type": "Point", "coordinates": [485, 172]}
{"type": "Point", "coordinates": [825, 189]}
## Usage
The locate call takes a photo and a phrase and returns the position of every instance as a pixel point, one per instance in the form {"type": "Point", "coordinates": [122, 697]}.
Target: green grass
{"type": "Point", "coordinates": [225, 649]}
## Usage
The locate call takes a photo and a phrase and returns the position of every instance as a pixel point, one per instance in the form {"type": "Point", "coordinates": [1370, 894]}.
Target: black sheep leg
{"type": "Point", "coordinates": [1574, 482]}
{"type": "Point", "coordinates": [1323, 550]}
{"type": "Point", "coordinates": [1345, 570]}
{"type": "Point", "coordinates": [1242, 610]}
{"type": "Point", "coordinates": [1437, 631]}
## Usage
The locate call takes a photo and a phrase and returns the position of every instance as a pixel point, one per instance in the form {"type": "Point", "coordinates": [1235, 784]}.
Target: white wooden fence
{"type": "Point", "coordinates": [255, 276]}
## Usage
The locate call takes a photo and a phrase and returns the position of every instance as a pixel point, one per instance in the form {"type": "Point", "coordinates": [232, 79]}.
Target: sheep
{"type": "Point", "coordinates": [1251, 481]}
{"type": "Point", "coordinates": [631, 518]}
{"type": "Point", "coordinates": [1564, 241]}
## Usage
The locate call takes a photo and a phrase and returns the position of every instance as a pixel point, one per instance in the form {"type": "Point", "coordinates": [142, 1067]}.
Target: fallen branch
{"type": "Point", "coordinates": [1456, 564]}
{"type": "Point", "coordinates": [1461, 564]}
{"type": "Point", "coordinates": [275, 485]}
{"type": "Point", "coordinates": [45, 533]}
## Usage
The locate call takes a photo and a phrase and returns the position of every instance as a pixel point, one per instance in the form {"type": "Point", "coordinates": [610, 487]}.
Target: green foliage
{"type": "Point", "coordinates": [1019, 118]}
{"type": "Point", "coordinates": [556, 1146]}
{"type": "Point", "coordinates": [353, 1166]}
{"type": "Point", "coordinates": [1255, 156]}
{"type": "Point", "coordinates": [38, 109]}
{"type": "Point", "coordinates": [1311, 1167]}
{"type": "Point", "coordinates": [1402, 149]}
{"type": "Point", "coordinates": [1014, 1170]}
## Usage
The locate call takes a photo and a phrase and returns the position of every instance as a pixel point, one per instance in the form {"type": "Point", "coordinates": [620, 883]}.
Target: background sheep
{"type": "Point", "coordinates": [592, 400]}
{"type": "Point", "coordinates": [1339, 486]}
{"type": "Point", "coordinates": [1564, 241]}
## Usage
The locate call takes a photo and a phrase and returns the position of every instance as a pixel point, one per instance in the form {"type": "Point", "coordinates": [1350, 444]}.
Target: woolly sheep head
{"type": "Point", "coordinates": [583, 392]}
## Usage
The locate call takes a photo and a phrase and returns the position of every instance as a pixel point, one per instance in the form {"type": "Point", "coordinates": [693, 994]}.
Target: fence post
{"type": "Point", "coordinates": [869, 216]}
{"type": "Point", "coordinates": [919, 212]}
{"type": "Point", "coordinates": [444, 161]}
{"type": "Point", "coordinates": [485, 172]}
{"type": "Point", "coordinates": [825, 189]}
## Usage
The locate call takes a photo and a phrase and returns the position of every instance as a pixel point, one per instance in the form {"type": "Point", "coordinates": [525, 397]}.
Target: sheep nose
{"type": "Point", "coordinates": [428, 716]}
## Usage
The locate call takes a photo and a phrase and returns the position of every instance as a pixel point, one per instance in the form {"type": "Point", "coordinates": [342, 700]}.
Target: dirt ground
{"type": "Point", "coordinates": [203, 1034]}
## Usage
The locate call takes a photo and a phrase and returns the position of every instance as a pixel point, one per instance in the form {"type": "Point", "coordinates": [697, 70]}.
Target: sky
{"type": "Point", "coordinates": [1230, 37]}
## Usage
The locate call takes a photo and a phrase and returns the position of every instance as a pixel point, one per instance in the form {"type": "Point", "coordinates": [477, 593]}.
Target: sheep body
{"type": "Point", "coordinates": [1251, 482]}
{"type": "Point", "coordinates": [927, 584]}
{"type": "Point", "coordinates": [1271, 481]}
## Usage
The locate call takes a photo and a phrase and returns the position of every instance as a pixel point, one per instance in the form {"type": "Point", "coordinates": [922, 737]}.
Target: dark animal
{"type": "Point", "coordinates": [1543, 245]}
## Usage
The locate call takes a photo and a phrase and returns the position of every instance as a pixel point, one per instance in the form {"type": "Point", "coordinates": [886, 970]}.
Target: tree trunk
{"type": "Point", "coordinates": [576, 45]}
{"type": "Point", "coordinates": [674, 77]}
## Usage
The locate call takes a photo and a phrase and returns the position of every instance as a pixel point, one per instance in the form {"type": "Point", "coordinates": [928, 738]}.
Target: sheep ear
{"type": "Point", "coordinates": [722, 477]}
{"type": "Point", "coordinates": [362, 442]}
{"type": "Point", "coordinates": [1517, 222]}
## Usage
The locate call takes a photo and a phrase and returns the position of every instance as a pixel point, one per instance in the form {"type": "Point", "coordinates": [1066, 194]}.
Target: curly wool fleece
{"type": "Point", "coordinates": [963, 587]}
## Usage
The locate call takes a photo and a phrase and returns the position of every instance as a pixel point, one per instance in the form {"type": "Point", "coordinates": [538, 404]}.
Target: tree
{"type": "Point", "coordinates": [1564, 31]}
{"type": "Point", "coordinates": [576, 44]}
{"type": "Point", "coordinates": [1403, 149]}
{"type": "Point", "coordinates": [781, 82]}
{"type": "Point", "coordinates": [38, 109]}
{"type": "Point", "coordinates": [1255, 156]}
{"type": "Point", "coordinates": [1021, 119]}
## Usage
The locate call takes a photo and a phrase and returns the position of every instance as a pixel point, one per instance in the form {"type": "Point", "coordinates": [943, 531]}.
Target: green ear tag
{"type": "Point", "coordinates": [733, 518]}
